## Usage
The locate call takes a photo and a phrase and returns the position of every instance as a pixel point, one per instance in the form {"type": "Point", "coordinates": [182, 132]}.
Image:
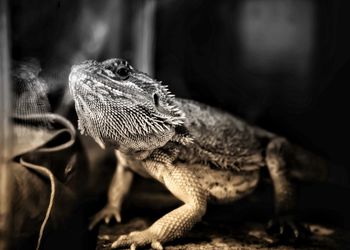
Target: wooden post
{"type": "Point", "coordinates": [5, 127]}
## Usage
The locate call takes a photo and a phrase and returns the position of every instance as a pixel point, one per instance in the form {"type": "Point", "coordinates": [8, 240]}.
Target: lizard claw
{"type": "Point", "coordinates": [106, 214]}
{"type": "Point", "coordinates": [287, 228]}
{"type": "Point", "coordinates": [138, 239]}
{"type": "Point", "coordinates": [156, 245]}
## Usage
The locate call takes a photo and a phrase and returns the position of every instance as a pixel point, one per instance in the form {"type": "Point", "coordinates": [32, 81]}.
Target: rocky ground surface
{"type": "Point", "coordinates": [247, 236]}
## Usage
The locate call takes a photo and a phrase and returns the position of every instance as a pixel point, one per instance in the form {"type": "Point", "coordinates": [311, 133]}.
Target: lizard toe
{"type": "Point", "coordinates": [287, 229]}
{"type": "Point", "coordinates": [106, 214]}
{"type": "Point", "coordinates": [138, 239]}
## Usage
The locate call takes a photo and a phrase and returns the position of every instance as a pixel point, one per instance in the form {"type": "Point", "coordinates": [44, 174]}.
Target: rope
{"type": "Point", "coordinates": [52, 196]}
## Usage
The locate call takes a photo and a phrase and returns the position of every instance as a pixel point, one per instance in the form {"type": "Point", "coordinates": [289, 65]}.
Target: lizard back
{"type": "Point", "coordinates": [220, 138]}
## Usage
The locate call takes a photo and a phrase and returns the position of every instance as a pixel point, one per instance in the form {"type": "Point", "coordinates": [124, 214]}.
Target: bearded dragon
{"type": "Point", "coordinates": [199, 153]}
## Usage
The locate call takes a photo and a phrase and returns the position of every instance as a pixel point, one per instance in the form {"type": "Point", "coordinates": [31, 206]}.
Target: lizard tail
{"type": "Point", "coordinates": [307, 166]}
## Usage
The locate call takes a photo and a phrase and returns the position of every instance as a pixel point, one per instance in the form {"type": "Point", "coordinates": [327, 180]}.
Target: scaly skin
{"type": "Point", "coordinates": [199, 153]}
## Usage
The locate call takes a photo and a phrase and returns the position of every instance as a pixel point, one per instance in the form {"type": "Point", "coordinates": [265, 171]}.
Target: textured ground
{"type": "Point", "coordinates": [237, 226]}
{"type": "Point", "coordinates": [243, 237]}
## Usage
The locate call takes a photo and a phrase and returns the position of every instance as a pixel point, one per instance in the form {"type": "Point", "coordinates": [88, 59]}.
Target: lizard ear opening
{"type": "Point", "coordinates": [156, 99]}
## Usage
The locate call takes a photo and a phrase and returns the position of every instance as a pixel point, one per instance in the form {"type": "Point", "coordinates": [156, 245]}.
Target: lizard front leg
{"type": "Point", "coordinates": [118, 189]}
{"type": "Point", "coordinates": [285, 224]}
{"type": "Point", "coordinates": [183, 184]}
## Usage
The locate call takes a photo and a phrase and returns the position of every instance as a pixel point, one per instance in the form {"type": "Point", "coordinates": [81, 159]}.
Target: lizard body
{"type": "Point", "coordinates": [199, 153]}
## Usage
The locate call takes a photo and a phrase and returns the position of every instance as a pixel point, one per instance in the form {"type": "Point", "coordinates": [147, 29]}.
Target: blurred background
{"type": "Point", "coordinates": [280, 64]}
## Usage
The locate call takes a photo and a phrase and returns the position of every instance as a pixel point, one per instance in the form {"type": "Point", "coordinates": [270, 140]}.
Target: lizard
{"type": "Point", "coordinates": [201, 154]}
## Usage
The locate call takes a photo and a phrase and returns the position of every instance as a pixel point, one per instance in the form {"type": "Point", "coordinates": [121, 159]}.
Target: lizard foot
{"type": "Point", "coordinates": [138, 239]}
{"type": "Point", "coordinates": [287, 228]}
{"type": "Point", "coordinates": [106, 214]}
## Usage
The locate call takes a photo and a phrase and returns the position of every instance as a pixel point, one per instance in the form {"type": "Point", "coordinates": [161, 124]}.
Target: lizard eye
{"type": "Point", "coordinates": [123, 72]}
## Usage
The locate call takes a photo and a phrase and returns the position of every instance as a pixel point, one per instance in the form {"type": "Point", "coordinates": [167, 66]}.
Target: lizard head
{"type": "Point", "coordinates": [119, 105]}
